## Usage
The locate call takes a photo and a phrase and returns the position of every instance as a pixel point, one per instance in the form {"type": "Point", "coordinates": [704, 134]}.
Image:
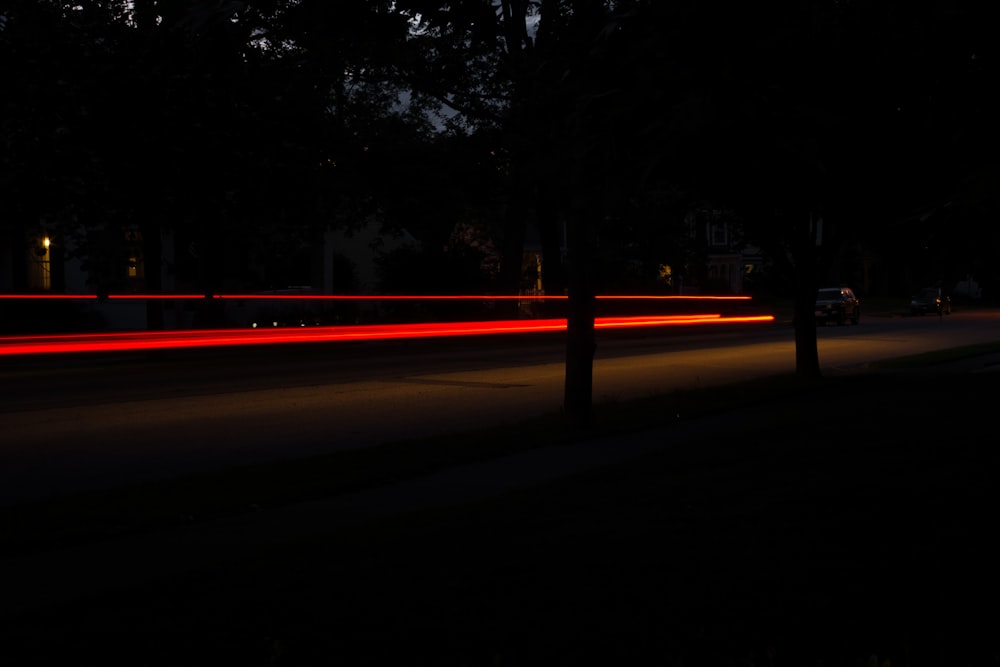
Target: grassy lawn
{"type": "Point", "coordinates": [174, 502]}
{"type": "Point", "coordinates": [845, 521]}
{"type": "Point", "coordinates": [939, 357]}
{"type": "Point", "coordinates": [85, 517]}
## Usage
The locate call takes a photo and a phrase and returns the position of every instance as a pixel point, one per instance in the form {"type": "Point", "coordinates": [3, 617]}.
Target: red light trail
{"type": "Point", "coordinates": [367, 297]}
{"type": "Point", "coordinates": [152, 340]}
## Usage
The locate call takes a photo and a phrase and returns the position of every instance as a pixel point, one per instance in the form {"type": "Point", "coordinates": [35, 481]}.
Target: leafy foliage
{"type": "Point", "coordinates": [248, 127]}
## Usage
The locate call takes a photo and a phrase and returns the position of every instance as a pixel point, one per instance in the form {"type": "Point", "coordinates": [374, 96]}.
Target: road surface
{"type": "Point", "coordinates": [78, 423]}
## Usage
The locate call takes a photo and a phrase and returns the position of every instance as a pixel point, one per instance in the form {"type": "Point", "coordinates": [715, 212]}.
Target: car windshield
{"type": "Point", "coordinates": [929, 293]}
{"type": "Point", "coordinates": [828, 295]}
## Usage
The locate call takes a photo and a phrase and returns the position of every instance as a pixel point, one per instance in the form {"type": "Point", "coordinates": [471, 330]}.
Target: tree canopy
{"type": "Point", "coordinates": [247, 127]}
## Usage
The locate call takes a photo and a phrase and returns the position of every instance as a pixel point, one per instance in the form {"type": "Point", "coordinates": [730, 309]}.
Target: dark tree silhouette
{"type": "Point", "coordinates": [261, 123]}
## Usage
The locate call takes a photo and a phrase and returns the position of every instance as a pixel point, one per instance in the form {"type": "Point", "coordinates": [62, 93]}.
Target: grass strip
{"type": "Point", "coordinates": [938, 357]}
{"type": "Point", "coordinates": [89, 516]}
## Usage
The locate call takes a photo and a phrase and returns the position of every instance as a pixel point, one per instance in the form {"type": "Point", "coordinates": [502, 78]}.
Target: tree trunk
{"type": "Point", "coordinates": [580, 340]}
{"type": "Point", "coordinates": [512, 257]}
{"type": "Point", "coordinates": [804, 317]}
{"type": "Point", "coordinates": [152, 258]}
{"type": "Point", "coordinates": [804, 322]}
{"type": "Point", "coordinates": [548, 221]}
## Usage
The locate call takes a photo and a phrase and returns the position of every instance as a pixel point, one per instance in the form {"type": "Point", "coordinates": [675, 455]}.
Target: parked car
{"type": "Point", "coordinates": [837, 304]}
{"type": "Point", "coordinates": [930, 300]}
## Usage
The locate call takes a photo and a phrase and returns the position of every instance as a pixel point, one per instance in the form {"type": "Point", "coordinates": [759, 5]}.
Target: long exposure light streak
{"type": "Point", "coordinates": [365, 297]}
{"type": "Point", "coordinates": [151, 340]}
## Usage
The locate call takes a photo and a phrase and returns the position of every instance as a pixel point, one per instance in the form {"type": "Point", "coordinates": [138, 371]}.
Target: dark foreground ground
{"type": "Point", "coordinates": [851, 523]}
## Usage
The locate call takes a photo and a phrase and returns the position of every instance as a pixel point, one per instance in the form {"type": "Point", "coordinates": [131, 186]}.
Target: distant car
{"type": "Point", "coordinates": [837, 304]}
{"type": "Point", "coordinates": [930, 300]}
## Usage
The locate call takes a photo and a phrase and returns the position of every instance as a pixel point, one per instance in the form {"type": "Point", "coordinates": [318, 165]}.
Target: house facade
{"type": "Point", "coordinates": [43, 263]}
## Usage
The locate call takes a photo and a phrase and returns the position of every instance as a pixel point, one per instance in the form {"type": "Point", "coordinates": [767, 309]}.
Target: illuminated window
{"type": "Point", "coordinates": [135, 268]}
{"type": "Point", "coordinates": [40, 264]}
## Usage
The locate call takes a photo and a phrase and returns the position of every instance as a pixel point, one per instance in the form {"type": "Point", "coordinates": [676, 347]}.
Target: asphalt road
{"type": "Point", "coordinates": [78, 423]}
